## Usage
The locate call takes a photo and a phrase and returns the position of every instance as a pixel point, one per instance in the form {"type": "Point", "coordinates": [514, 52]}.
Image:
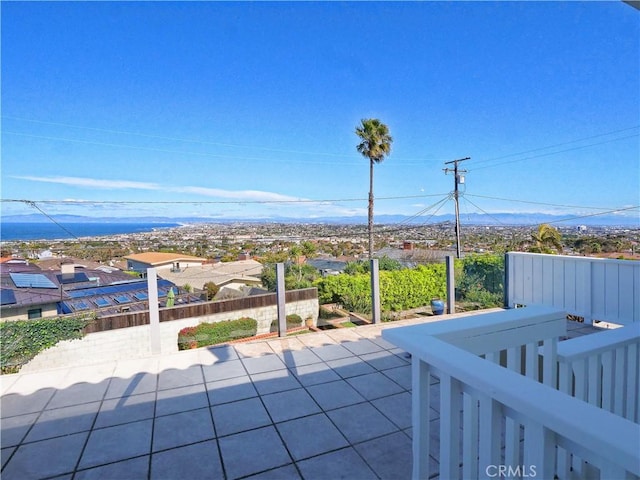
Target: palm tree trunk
{"type": "Point", "coordinates": [370, 224]}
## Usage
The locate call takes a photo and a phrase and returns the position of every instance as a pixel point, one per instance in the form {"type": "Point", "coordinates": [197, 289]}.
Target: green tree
{"type": "Point", "coordinates": [546, 240]}
{"type": "Point", "coordinates": [375, 145]}
{"type": "Point", "coordinates": [211, 289]}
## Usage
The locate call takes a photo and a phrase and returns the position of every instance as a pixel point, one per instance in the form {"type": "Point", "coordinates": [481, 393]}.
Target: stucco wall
{"type": "Point", "coordinates": [134, 342]}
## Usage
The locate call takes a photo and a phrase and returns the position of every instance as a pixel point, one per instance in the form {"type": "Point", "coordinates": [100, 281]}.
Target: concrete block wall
{"type": "Point", "coordinates": [134, 342]}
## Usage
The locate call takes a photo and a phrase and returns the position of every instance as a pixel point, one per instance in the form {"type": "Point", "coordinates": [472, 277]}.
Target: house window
{"type": "Point", "coordinates": [34, 313]}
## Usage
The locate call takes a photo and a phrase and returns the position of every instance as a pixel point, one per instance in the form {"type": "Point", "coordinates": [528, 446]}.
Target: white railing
{"type": "Point", "coordinates": [592, 288]}
{"type": "Point", "coordinates": [603, 370]}
{"type": "Point", "coordinates": [503, 422]}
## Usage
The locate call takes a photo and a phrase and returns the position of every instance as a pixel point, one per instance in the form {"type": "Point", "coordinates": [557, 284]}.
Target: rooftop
{"type": "Point", "coordinates": [157, 258]}
{"type": "Point", "coordinates": [335, 404]}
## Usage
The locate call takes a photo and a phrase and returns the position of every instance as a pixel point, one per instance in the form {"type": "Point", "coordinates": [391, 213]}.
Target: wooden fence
{"type": "Point", "coordinates": [134, 319]}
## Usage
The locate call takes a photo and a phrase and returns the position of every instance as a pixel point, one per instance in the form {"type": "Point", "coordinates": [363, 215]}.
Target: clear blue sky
{"type": "Point", "coordinates": [238, 102]}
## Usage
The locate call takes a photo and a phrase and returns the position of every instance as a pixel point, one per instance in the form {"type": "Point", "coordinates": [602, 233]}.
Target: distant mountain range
{"type": "Point", "coordinates": [507, 219]}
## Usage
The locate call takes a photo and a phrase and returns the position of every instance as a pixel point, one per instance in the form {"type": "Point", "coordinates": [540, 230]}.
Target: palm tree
{"type": "Point", "coordinates": [547, 239]}
{"type": "Point", "coordinates": [375, 145]}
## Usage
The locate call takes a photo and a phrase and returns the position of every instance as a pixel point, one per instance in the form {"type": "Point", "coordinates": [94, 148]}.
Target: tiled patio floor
{"type": "Point", "coordinates": [328, 405]}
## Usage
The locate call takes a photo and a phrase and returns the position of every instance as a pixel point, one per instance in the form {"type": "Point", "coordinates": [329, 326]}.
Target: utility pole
{"type": "Point", "coordinates": [457, 179]}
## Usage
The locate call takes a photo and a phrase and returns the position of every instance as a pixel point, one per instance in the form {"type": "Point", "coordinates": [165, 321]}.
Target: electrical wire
{"type": "Point", "coordinates": [551, 153]}
{"type": "Point", "coordinates": [557, 144]}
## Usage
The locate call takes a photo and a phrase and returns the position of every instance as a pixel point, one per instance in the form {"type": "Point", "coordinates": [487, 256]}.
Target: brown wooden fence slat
{"type": "Point", "coordinates": [134, 319]}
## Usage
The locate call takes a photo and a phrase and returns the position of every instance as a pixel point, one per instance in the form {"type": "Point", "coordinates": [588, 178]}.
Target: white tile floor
{"type": "Point", "coordinates": [318, 406]}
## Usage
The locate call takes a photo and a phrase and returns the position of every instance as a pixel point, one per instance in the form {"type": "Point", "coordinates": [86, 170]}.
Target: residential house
{"type": "Point", "coordinates": [140, 262]}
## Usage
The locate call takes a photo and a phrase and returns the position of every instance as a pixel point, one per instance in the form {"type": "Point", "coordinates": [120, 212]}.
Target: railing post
{"type": "Point", "coordinates": [421, 421]}
{"type": "Point", "coordinates": [154, 313]}
{"type": "Point", "coordinates": [506, 293]}
{"type": "Point", "coordinates": [451, 285]}
{"type": "Point", "coordinates": [375, 290]}
{"type": "Point", "coordinates": [281, 300]}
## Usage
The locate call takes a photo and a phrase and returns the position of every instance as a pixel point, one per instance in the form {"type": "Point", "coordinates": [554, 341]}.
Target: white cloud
{"type": "Point", "coordinates": [241, 195]}
{"type": "Point", "coordinates": [94, 183]}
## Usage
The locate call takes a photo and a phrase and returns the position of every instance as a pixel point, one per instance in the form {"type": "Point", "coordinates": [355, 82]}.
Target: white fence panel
{"type": "Point", "coordinates": [592, 288]}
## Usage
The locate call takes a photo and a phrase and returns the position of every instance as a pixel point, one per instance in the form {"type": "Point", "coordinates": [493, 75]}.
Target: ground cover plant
{"type": "Point", "coordinates": [205, 334]}
{"type": "Point", "coordinates": [22, 340]}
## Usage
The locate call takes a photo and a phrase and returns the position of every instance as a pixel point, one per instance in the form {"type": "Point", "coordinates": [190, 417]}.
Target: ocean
{"type": "Point", "coordinates": [51, 231]}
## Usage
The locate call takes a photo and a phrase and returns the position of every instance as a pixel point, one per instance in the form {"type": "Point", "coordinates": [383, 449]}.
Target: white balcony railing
{"type": "Point", "coordinates": [513, 421]}
{"type": "Point", "coordinates": [592, 288]}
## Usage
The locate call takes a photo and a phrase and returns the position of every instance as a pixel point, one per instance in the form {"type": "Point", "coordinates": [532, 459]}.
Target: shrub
{"type": "Point", "coordinates": [22, 340]}
{"type": "Point", "coordinates": [399, 289]}
{"type": "Point", "coordinates": [294, 320]}
{"type": "Point", "coordinates": [206, 334]}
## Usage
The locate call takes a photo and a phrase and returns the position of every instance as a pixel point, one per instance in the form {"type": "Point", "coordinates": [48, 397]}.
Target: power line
{"type": "Point", "coordinates": [538, 203]}
{"type": "Point", "coordinates": [559, 144]}
{"type": "Point", "coordinates": [204, 202]}
{"type": "Point", "coordinates": [554, 153]}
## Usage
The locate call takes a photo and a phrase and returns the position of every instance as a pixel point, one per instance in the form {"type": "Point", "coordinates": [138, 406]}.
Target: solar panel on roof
{"type": "Point", "coordinates": [31, 280]}
{"type": "Point", "coordinates": [75, 278]}
{"type": "Point", "coordinates": [7, 297]}
{"type": "Point", "coordinates": [101, 302]}
{"type": "Point", "coordinates": [141, 296]}
{"type": "Point", "coordinates": [122, 299]}
{"type": "Point", "coordinates": [80, 306]}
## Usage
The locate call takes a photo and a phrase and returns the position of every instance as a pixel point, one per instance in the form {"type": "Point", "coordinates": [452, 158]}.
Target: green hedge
{"type": "Point", "coordinates": [22, 340]}
{"type": "Point", "coordinates": [294, 320]}
{"type": "Point", "coordinates": [213, 333]}
{"type": "Point", "coordinates": [399, 289]}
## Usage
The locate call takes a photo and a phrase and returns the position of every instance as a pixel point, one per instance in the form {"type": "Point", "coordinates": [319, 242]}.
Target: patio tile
{"type": "Point", "coordinates": [298, 358]}
{"type": "Point", "coordinates": [5, 453]}
{"type": "Point", "coordinates": [223, 370]}
{"type": "Point", "coordinates": [63, 421]}
{"type": "Point", "coordinates": [111, 444]}
{"type": "Point", "coordinates": [345, 463]}
{"type": "Point", "coordinates": [253, 452]}
{"type": "Point", "coordinates": [279, 345]}
{"type": "Point", "coordinates": [217, 354]}
{"type": "Point", "coordinates": [350, 367]}
{"type": "Point", "coordinates": [276, 381]}
{"type": "Point", "coordinates": [317, 340]}
{"type": "Point", "coordinates": [198, 461]}
{"type": "Point", "coordinates": [374, 385]}
{"type": "Point", "coordinates": [239, 416]}
{"type": "Point", "coordinates": [290, 404]}
{"type": "Point", "coordinates": [252, 349]}
{"type": "Point", "coordinates": [331, 352]}
{"type": "Point", "coordinates": [325, 437]}
{"type": "Point", "coordinates": [138, 383]}
{"type": "Point", "coordinates": [15, 428]}
{"type": "Point", "coordinates": [335, 395]}
{"type": "Point", "coordinates": [266, 363]}
{"type": "Point", "coordinates": [77, 394]}
{"type": "Point", "coordinates": [390, 457]}
{"type": "Point", "coordinates": [34, 460]}
{"type": "Point", "coordinates": [132, 468]}
{"type": "Point", "coordinates": [381, 342]}
{"type": "Point", "coordinates": [175, 378]}
{"type": "Point", "coordinates": [400, 375]}
{"type": "Point", "coordinates": [181, 399]}
{"type": "Point", "coordinates": [182, 429]}
{"type": "Point", "coordinates": [361, 422]}
{"type": "Point", "coordinates": [230, 390]}
{"type": "Point", "coordinates": [314, 374]}
{"type": "Point", "coordinates": [362, 347]}
{"type": "Point", "coordinates": [117, 411]}
{"type": "Point", "coordinates": [396, 408]}
{"type": "Point", "coordinates": [383, 360]}
{"type": "Point", "coordinates": [16, 404]}
{"type": "Point", "coordinates": [288, 472]}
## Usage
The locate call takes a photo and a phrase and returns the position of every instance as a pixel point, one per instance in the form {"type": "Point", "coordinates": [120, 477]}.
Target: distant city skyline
{"type": "Point", "coordinates": [248, 109]}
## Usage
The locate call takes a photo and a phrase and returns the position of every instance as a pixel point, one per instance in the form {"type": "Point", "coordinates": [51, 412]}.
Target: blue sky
{"type": "Point", "coordinates": [228, 104]}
